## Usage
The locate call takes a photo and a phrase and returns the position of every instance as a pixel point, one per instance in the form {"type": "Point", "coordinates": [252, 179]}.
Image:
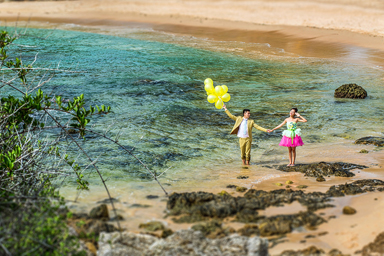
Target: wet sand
{"type": "Point", "coordinates": [310, 29]}
{"type": "Point", "coordinates": [351, 31]}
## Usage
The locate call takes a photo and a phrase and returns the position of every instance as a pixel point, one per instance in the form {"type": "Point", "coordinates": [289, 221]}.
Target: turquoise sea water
{"type": "Point", "coordinates": [159, 104]}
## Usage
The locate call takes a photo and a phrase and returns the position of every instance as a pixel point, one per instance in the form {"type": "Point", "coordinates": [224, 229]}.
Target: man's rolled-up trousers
{"type": "Point", "coordinates": [245, 148]}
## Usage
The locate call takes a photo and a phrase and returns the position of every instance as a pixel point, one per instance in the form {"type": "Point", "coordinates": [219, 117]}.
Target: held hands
{"type": "Point", "coordinates": [269, 130]}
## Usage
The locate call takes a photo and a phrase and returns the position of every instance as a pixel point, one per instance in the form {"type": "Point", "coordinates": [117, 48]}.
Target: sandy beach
{"type": "Point", "coordinates": [316, 28]}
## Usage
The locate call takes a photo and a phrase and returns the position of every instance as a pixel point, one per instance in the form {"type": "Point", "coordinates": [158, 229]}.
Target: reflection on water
{"type": "Point", "coordinates": [156, 92]}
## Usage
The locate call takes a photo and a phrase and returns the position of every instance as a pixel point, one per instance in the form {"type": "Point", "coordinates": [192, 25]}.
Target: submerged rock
{"type": "Point", "coordinates": [377, 141]}
{"type": "Point", "coordinates": [351, 91]}
{"type": "Point", "coordinates": [322, 169]}
{"type": "Point", "coordinates": [364, 151]}
{"type": "Point", "coordinates": [183, 242]}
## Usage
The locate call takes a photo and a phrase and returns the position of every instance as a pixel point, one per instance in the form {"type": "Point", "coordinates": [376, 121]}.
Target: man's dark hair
{"type": "Point", "coordinates": [246, 110]}
{"type": "Point", "coordinates": [295, 109]}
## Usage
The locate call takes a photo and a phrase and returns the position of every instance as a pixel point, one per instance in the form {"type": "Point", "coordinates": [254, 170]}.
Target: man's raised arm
{"type": "Point", "coordinates": [228, 113]}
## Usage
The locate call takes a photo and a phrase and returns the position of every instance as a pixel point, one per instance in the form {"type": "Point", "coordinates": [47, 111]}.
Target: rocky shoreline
{"type": "Point", "coordinates": [208, 212]}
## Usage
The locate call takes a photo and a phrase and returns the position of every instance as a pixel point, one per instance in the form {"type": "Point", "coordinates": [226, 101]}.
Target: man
{"type": "Point", "coordinates": [243, 130]}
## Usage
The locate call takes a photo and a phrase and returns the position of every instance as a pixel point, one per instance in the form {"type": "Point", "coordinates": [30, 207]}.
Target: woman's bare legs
{"type": "Point", "coordinates": [290, 156]}
{"type": "Point", "coordinates": [293, 156]}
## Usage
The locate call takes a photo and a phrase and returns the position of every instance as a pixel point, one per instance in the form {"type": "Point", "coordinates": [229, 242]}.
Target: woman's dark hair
{"type": "Point", "coordinates": [295, 109]}
{"type": "Point", "coordinates": [246, 110]}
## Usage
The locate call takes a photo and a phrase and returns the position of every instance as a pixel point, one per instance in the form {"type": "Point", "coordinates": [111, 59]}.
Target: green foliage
{"type": "Point", "coordinates": [31, 218]}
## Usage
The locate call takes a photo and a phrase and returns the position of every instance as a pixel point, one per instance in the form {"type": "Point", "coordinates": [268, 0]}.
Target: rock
{"type": "Point", "coordinates": [213, 229]}
{"type": "Point", "coordinates": [202, 206]}
{"type": "Point", "coordinates": [336, 252]}
{"type": "Point", "coordinates": [152, 196]}
{"type": "Point", "coordinates": [289, 182]}
{"type": "Point", "coordinates": [222, 193]}
{"type": "Point", "coordinates": [279, 184]}
{"type": "Point", "coordinates": [364, 151]}
{"type": "Point", "coordinates": [377, 141]}
{"type": "Point", "coordinates": [139, 206]}
{"type": "Point", "coordinates": [99, 212]}
{"type": "Point", "coordinates": [241, 189]}
{"type": "Point", "coordinates": [108, 201]}
{"type": "Point", "coordinates": [302, 186]}
{"type": "Point", "coordinates": [287, 186]}
{"type": "Point", "coordinates": [152, 226]}
{"type": "Point", "coordinates": [349, 210]}
{"type": "Point", "coordinates": [231, 186]}
{"type": "Point", "coordinates": [351, 91]}
{"type": "Point", "coordinates": [183, 242]}
{"type": "Point", "coordinates": [322, 169]}
{"type": "Point", "coordinates": [242, 177]}
{"type": "Point", "coordinates": [322, 233]}
{"type": "Point", "coordinates": [310, 251]}
{"type": "Point", "coordinates": [116, 218]}
{"type": "Point", "coordinates": [249, 230]}
{"type": "Point", "coordinates": [320, 179]}
{"type": "Point", "coordinates": [376, 247]}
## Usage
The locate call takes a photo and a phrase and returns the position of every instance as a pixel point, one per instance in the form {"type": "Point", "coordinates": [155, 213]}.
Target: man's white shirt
{"type": "Point", "coordinates": [243, 129]}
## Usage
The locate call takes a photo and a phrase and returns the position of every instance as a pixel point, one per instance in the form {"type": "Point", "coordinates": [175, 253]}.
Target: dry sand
{"type": "Point", "coordinates": [317, 28]}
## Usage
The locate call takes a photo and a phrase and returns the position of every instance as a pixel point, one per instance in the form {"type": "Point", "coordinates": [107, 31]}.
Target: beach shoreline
{"type": "Point", "coordinates": [315, 39]}
{"type": "Point", "coordinates": [309, 40]}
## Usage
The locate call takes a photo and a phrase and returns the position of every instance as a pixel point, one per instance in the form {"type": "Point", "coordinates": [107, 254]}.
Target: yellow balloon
{"type": "Point", "coordinates": [225, 88]}
{"type": "Point", "coordinates": [209, 88]}
{"type": "Point", "coordinates": [212, 98]}
{"type": "Point", "coordinates": [208, 81]}
{"type": "Point", "coordinates": [219, 104]}
{"type": "Point", "coordinates": [219, 90]}
{"type": "Point", "coordinates": [226, 97]}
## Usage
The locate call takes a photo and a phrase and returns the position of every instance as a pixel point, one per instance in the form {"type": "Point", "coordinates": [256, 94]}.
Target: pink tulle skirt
{"type": "Point", "coordinates": [287, 142]}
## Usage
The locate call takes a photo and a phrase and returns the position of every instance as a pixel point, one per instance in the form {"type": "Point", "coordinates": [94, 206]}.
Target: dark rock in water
{"type": "Point", "coordinates": [213, 229]}
{"type": "Point", "coordinates": [241, 189]}
{"type": "Point", "coordinates": [349, 210]}
{"type": "Point", "coordinates": [231, 186]}
{"type": "Point", "coordinates": [376, 247]}
{"type": "Point", "coordinates": [323, 233]}
{"type": "Point", "coordinates": [99, 212]}
{"type": "Point", "coordinates": [322, 169]}
{"type": "Point", "coordinates": [351, 91]}
{"type": "Point", "coordinates": [242, 177]}
{"type": "Point", "coordinates": [222, 193]}
{"type": "Point", "coordinates": [152, 226]}
{"type": "Point", "coordinates": [249, 230]}
{"type": "Point", "coordinates": [310, 251]}
{"type": "Point", "coordinates": [364, 151]}
{"type": "Point", "coordinates": [139, 206]}
{"type": "Point", "coordinates": [118, 217]}
{"type": "Point", "coordinates": [302, 186]}
{"type": "Point", "coordinates": [152, 196]}
{"type": "Point", "coordinates": [108, 201]}
{"type": "Point", "coordinates": [320, 179]}
{"type": "Point", "coordinates": [377, 141]}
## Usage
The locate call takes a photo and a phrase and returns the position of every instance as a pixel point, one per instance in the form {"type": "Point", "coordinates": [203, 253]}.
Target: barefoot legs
{"type": "Point", "coordinates": [292, 156]}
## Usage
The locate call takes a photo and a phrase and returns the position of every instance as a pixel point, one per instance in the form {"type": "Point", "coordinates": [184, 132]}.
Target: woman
{"type": "Point", "coordinates": [292, 136]}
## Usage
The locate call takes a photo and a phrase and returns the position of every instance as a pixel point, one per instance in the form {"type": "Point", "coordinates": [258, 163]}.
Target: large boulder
{"type": "Point", "coordinates": [183, 242]}
{"type": "Point", "coordinates": [351, 91]}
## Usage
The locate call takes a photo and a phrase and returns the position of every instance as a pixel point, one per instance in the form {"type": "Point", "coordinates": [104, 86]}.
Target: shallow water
{"type": "Point", "coordinates": [154, 83]}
